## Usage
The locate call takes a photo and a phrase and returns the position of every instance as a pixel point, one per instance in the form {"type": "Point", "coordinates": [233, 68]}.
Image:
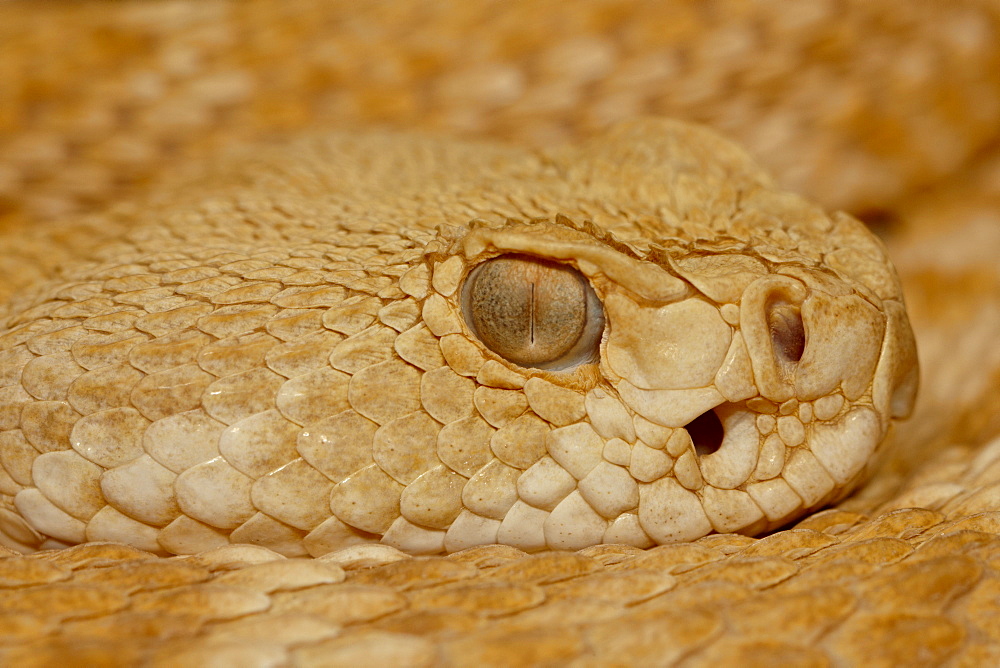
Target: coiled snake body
{"type": "Point", "coordinates": [360, 341]}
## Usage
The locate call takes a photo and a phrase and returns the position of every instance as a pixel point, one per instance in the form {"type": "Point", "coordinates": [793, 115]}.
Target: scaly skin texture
{"type": "Point", "coordinates": [859, 105]}
{"type": "Point", "coordinates": [282, 357]}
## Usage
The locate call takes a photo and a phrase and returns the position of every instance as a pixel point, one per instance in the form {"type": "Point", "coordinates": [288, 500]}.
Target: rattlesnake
{"type": "Point", "coordinates": [297, 346]}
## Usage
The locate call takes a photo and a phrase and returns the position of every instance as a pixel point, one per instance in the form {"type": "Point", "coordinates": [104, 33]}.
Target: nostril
{"type": "Point", "coordinates": [706, 433]}
{"type": "Point", "coordinates": [788, 334]}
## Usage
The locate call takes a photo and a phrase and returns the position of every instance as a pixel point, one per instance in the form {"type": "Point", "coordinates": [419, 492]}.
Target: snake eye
{"type": "Point", "coordinates": [533, 312]}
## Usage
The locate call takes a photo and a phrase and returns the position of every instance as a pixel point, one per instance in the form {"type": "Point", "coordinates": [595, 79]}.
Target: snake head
{"type": "Point", "coordinates": [439, 345]}
{"type": "Point", "coordinates": [690, 384]}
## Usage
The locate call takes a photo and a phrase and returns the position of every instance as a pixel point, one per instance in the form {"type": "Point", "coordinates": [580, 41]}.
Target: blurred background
{"type": "Point", "coordinates": [855, 103]}
{"type": "Point", "coordinates": [889, 110]}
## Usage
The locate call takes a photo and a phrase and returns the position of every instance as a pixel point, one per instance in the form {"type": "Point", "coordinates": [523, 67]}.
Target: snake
{"type": "Point", "coordinates": [509, 355]}
{"type": "Point", "coordinates": [389, 342]}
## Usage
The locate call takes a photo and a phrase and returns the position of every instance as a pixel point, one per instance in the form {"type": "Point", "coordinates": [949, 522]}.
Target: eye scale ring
{"type": "Point", "coordinates": [533, 312]}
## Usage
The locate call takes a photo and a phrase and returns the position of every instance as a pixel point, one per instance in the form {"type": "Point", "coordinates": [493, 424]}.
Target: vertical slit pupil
{"type": "Point", "coordinates": [531, 311]}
